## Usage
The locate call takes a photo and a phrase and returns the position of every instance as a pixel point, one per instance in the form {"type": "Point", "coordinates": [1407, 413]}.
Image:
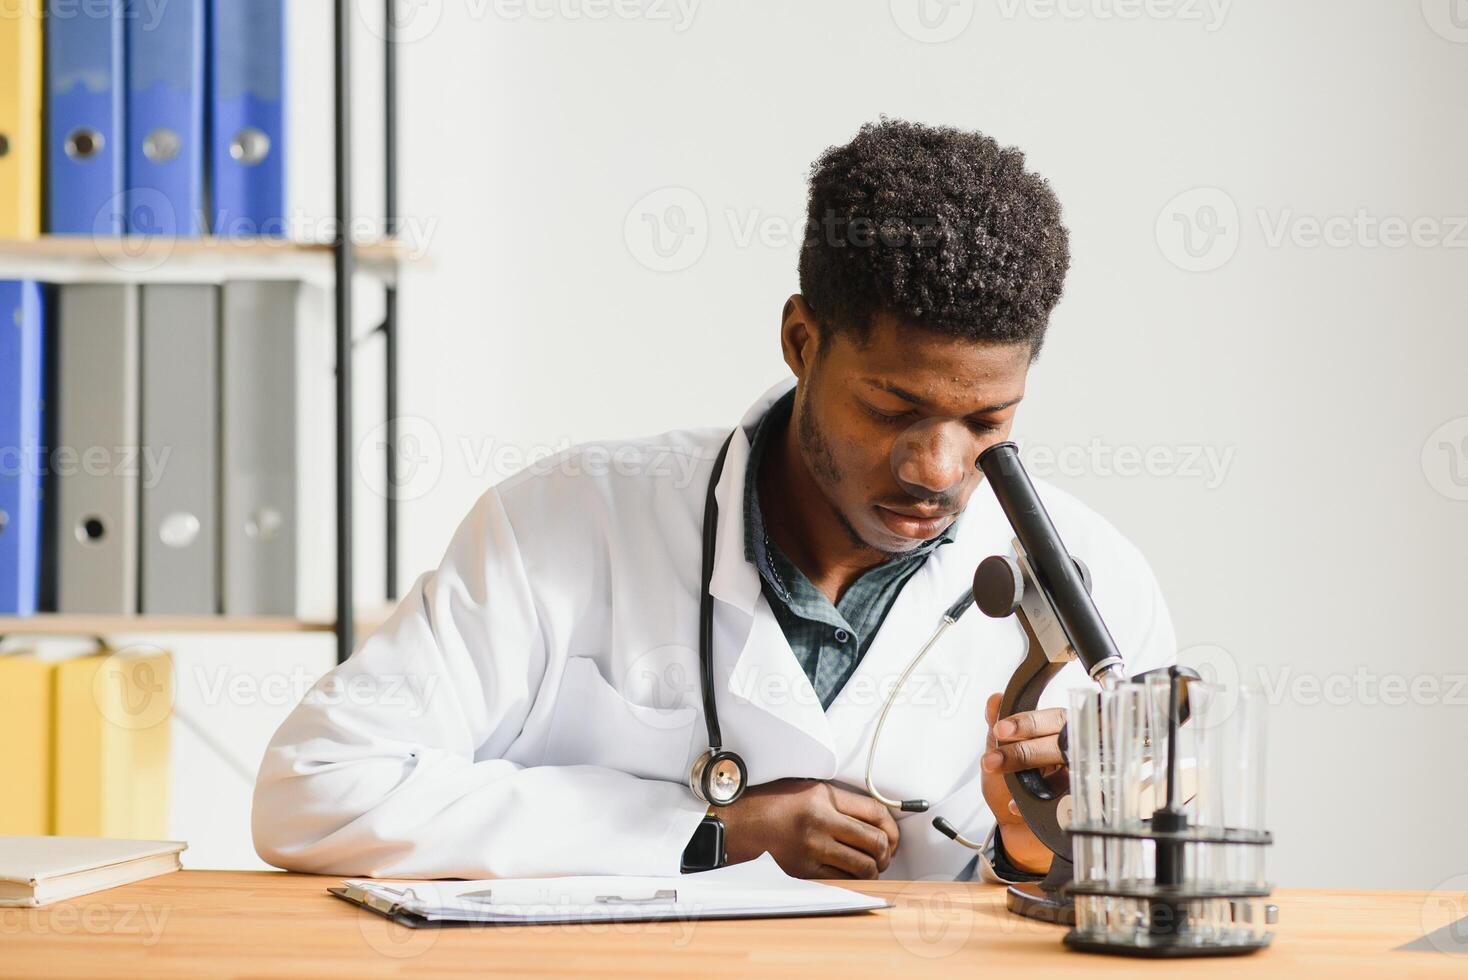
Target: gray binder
{"type": "Point", "coordinates": [259, 478]}
{"type": "Point", "coordinates": [96, 461]}
{"type": "Point", "coordinates": [180, 420]}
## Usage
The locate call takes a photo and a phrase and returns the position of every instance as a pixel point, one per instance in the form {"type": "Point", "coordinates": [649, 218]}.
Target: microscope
{"type": "Point", "coordinates": [1164, 899]}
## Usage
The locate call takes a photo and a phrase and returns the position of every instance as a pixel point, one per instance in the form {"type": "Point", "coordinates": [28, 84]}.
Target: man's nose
{"type": "Point", "coordinates": [932, 458]}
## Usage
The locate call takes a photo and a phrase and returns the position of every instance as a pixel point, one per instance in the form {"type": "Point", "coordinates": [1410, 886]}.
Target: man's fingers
{"type": "Point", "coordinates": [856, 863]}
{"type": "Point", "coordinates": [867, 810]}
{"type": "Point", "coordinates": [857, 805]}
{"type": "Point", "coordinates": [862, 836]}
{"type": "Point", "coordinates": [1029, 724]}
{"type": "Point", "coordinates": [991, 714]}
{"type": "Point", "coordinates": [1034, 753]}
{"type": "Point", "coordinates": [827, 871]}
{"type": "Point", "coordinates": [887, 824]}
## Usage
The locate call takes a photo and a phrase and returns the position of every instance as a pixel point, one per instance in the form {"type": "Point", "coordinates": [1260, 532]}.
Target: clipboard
{"type": "Point", "coordinates": [756, 890]}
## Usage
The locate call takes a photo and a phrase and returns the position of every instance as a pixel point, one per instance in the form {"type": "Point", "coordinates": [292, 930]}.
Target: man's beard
{"type": "Point", "coordinates": [821, 460]}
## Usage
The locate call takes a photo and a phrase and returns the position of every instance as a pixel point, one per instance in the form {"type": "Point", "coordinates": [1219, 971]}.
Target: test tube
{"type": "Point", "coordinates": [1083, 756]}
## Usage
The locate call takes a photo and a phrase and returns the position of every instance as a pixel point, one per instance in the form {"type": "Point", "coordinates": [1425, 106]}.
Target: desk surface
{"type": "Point", "coordinates": [229, 923]}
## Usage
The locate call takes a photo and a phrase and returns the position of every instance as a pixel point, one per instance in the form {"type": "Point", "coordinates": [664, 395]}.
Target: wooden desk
{"type": "Point", "coordinates": [226, 923]}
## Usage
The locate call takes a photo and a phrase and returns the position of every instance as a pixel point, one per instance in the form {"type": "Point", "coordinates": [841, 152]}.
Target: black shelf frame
{"type": "Point", "coordinates": [344, 256]}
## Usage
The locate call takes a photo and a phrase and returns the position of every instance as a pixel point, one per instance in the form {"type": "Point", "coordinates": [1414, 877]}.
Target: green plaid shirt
{"type": "Point", "coordinates": [828, 640]}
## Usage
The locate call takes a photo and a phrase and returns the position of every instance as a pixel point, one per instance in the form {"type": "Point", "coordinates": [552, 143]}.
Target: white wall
{"type": "Point", "coordinates": [1317, 373]}
{"type": "Point", "coordinates": [1319, 547]}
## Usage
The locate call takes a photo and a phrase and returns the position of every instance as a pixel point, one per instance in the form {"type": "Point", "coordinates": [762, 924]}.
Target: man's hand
{"type": "Point", "coordinates": [1028, 740]}
{"type": "Point", "coordinates": [813, 829]}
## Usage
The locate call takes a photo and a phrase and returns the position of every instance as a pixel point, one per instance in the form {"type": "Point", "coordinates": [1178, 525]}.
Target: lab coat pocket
{"type": "Point", "coordinates": [594, 725]}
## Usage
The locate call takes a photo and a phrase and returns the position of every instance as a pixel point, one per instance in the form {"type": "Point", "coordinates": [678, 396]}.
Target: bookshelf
{"type": "Point", "coordinates": [61, 624]}
{"type": "Point", "coordinates": [71, 259]}
{"type": "Point", "coordinates": [333, 265]}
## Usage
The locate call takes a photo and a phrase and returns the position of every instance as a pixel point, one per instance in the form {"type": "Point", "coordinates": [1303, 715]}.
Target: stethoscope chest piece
{"type": "Point", "coordinates": [718, 777]}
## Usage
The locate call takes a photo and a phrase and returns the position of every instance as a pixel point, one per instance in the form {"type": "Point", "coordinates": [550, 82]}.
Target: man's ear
{"type": "Point", "coordinates": [800, 336]}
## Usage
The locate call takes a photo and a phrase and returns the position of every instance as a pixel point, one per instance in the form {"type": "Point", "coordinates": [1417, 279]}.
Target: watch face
{"type": "Point", "coordinates": [706, 850]}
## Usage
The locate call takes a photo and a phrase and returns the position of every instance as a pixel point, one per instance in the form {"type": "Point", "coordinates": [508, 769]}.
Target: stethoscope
{"type": "Point", "coordinates": [719, 776]}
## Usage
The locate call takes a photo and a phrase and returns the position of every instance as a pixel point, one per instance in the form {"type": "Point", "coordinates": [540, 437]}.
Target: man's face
{"type": "Point", "coordinates": [891, 428]}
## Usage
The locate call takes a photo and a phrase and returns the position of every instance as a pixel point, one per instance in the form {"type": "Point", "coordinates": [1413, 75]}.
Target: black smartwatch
{"type": "Point", "coordinates": [706, 850]}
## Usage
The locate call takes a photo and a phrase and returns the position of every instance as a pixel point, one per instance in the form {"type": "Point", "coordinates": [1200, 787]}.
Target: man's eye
{"type": "Point", "coordinates": [882, 416]}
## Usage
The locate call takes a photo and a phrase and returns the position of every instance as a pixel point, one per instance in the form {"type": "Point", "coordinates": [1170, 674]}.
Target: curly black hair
{"type": "Point", "coordinates": [939, 227]}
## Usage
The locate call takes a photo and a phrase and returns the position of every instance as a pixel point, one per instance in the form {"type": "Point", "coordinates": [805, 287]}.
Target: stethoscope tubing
{"type": "Point", "coordinates": [706, 644]}
{"type": "Point", "coordinates": [950, 616]}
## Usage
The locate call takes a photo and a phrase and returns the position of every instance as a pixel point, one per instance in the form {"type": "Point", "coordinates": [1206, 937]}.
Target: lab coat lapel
{"type": "Point", "coordinates": [768, 710]}
{"type": "Point", "coordinates": [775, 718]}
{"type": "Point", "coordinates": [910, 622]}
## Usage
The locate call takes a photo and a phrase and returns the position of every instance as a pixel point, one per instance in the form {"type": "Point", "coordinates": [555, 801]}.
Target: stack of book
{"type": "Point", "coordinates": [86, 744]}
{"type": "Point", "coordinates": [37, 871]}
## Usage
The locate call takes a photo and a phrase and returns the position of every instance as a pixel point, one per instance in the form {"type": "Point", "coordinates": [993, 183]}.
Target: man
{"type": "Point", "coordinates": [533, 705]}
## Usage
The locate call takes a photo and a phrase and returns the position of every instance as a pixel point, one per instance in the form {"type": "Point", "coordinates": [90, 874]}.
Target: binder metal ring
{"type": "Point", "coordinates": [162, 145]}
{"type": "Point", "coordinates": [84, 143]}
{"type": "Point", "coordinates": [250, 146]}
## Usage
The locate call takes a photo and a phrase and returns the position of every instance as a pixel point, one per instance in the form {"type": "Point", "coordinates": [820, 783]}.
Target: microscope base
{"type": "Point", "coordinates": [1176, 950]}
{"type": "Point", "coordinates": [1045, 901]}
{"type": "Point", "coordinates": [1033, 901]}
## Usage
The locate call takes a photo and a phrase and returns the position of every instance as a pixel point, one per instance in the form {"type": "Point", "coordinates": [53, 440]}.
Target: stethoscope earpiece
{"type": "Point", "coordinates": [948, 830]}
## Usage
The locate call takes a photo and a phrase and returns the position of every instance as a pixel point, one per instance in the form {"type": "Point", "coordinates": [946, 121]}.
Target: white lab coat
{"type": "Point", "coordinates": [532, 706]}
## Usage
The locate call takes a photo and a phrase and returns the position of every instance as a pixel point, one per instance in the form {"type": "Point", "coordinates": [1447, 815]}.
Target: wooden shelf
{"type": "Point", "coordinates": [63, 624]}
{"type": "Point", "coordinates": [68, 259]}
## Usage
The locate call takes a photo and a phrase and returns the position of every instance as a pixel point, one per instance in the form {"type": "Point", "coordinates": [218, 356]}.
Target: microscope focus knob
{"type": "Point", "coordinates": [999, 585]}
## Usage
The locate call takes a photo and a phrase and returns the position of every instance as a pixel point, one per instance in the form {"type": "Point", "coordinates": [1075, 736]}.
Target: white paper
{"type": "Point", "coordinates": [754, 888]}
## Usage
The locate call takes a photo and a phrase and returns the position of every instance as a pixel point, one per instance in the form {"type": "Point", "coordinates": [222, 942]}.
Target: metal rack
{"type": "Point", "coordinates": [345, 264]}
{"type": "Point", "coordinates": [59, 259]}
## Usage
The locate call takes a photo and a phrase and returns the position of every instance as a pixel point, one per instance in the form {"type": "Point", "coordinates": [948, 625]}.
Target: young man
{"type": "Point", "coordinates": [534, 707]}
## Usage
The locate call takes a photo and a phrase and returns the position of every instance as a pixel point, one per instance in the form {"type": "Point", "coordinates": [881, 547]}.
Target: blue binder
{"type": "Point", "coordinates": [247, 138]}
{"type": "Point", "coordinates": [22, 454]}
{"type": "Point", "coordinates": [84, 102]}
{"type": "Point", "coordinates": [165, 118]}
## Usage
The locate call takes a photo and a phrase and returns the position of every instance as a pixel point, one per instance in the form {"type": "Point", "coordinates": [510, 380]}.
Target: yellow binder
{"type": "Point", "coordinates": [20, 118]}
{"type": "Point", "coordinates": [26, 710]}
{"type": "Point", "coordinates": [112, 745]}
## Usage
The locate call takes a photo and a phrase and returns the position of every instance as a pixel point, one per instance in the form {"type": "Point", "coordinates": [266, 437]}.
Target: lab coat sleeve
{"type": "Point", "coordinates": [393, 764]}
